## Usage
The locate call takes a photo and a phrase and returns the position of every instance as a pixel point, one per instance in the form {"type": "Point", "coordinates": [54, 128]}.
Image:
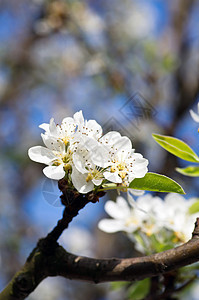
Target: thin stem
{"type": "Point", "coordinates": [113, 188]}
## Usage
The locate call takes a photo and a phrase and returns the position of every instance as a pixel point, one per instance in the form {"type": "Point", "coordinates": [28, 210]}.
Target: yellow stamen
{"type": "Point", "coordinates": [113, 169]}
{"type": "Point", "coordinates": [122, 174]}
{"type": "Point", "coordinates": [89, 177]}
{"type": "Point", "coordinates": [56, 163]}
{"type": "Point", "coordinates": [179, 237]}
{"type": "Point", "coordinates": [67, 167]}
{"type": "Point", "coordinates": [65, 140]}
{"type": "Point", "coordinates": [149, 229]}
{"type": "Point", "coordinates": [120, 168]}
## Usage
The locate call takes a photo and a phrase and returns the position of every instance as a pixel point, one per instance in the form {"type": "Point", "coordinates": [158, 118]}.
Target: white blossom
{"type": "Point", "coordinates": [58, 159]}
{"type": "Point", "coordinates": [76, 149]}
{"type": "Point", "coordinates": [116, 156]}
{"type": "Point", "coordinates": [131, 219]}
{"type": "Point", "coordinates": [176, 216]}
{"type": "Point", "coordinates": [168, 219]}
{"type": "Point", "coordinates": [62, 143]}
{"type": "Point", "coordinates": [121, 214]}
{"type": "Point", "coordinates": [71, 129]}
{"type": "Point", "coordinates": [85, 174]}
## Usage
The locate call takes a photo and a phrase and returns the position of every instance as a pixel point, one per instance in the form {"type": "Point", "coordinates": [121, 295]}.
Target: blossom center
{"type": "Point", "coordinates": [65, 159]}
{"type": "Point", "coordinates": [131, 220]}
{"type": "Point", "coordinates": [65, 140]}
{"type": "Point", "coordinates": [94, 174]}
{"type": "Point", "coordinates": [120, 168]}
{"type": "Point", "coordinates": [148, 228]}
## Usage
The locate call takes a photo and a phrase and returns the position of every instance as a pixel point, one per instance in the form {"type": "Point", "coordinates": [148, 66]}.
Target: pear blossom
{"type": "Point", "coordinates": [169, 219]}
{"type": "Point", "coordinates": [177, 217]}
{"type": "Point", "coordinates": [132, 218]}
{"type": "Point", "coordinates": [195, 116]}
{"type": "Point", "coordinates": [116, 156]}
{"type": "Point", "coordinates": [85, 174]}
{"type": "Point", "coordinates": [61, 142]}
{"type": "Point", "coordinates": [64, 133]}
{"type": "Point", "coordinates": [71, 129]}
{"type": "Point", "coordinates": [76, 149]}
{"type": "Point", "coordinates": [121, 215]}
{"type": "Point", "coordinates": [171, 214]}
{"type": "Point", "coordinates": [58, 159]}
{"type": "Point", "coordinates": [88, 128]}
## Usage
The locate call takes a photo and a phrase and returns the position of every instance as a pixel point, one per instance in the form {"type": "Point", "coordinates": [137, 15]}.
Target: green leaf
{"type": "Point", "coordinates": [118, 285]}
{"type": "Point", "coordinates": [189, 171]}
{"type": "Point", "coordinates": [139, 290]}
{"type": "Point", "coordinates": [194, 208]}
{"type": "Point", "coordinates": [176, 147]}
{"type": "Point", "coordinates": [160, 246]}
{"type": "Point", "coordinates": [157, 183]}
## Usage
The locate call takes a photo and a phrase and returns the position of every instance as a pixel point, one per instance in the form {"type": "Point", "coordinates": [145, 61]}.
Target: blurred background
{"type": "Point", "coordinates": [131, 65]}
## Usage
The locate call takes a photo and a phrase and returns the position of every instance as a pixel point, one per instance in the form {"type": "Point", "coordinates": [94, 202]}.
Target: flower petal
{"type": "Point", "coordinates": [80, 183]}
{"type": "Point", "coordinates": [118, 210]}
{"type": "Point", "coordinates": [136, 192]}
{"type": "Point", "coordinates": [113, 177]}
{"type": "Point", "coordinates": [54, 172]}
{"type": "Point", "coordinates": [78, 117]}
{"type": "Point", "coordinates": [80, 157]}
{"type": "Point", "coordinates": [89, 143]}
{"type": "Point", "coordinates": [94, 129]}
{"type": "Point", "coordinates": [53, 143]}
{"type": "Point", "coordinates": [111, 226]}
{"type": "Point", "coordinates": [44, 126]}
{"type": "Point", "coordinates": [41, 154]}
{"type": "Point", "coordinates": [53, 127]}
{"type": "Point", "coordinates": [123, 145]}
{"type": "Point", "coordinates": [97, 181]}
{"type": "Point", "coordinates": [110, 138]}
{"type": "Point", "coordinates": [100, 156]}
{"type": "Point", "coordinates": [67, 121]}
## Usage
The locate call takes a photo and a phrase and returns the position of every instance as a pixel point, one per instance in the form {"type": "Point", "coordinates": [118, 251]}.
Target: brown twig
{"type": "Point", "coordinates": [50, 259]}
{"type": "Point", "coordinates": [42, 264]}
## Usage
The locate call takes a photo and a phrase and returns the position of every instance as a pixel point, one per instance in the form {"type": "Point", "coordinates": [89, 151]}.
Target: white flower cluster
{"type": "Point", "coordinates": [78, 150]}
{"type": "Point", "coordinates": [151, 216]}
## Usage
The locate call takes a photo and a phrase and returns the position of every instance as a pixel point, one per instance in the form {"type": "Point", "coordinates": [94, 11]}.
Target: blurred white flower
{"type": "Point", "coordinates": [195, 116]}
{"type": "Point", "coordinates": [176, 216]}
{"type": "Point", "coordinates": [50, 288]}
{"type": "Point", "coordinates": [149, 216]}
{"type": "Point", "coordinates": [131, 219]}
{"type": "Point", "coordinates": [140, 22]}
{"type": "Point", "coordinates": [78, 241]}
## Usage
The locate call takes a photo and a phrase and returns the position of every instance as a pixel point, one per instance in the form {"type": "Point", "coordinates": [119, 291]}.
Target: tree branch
{"type": "Point", "coordinates": [50, 259]}
{"type": "Point", "coordinates": [56, 261]}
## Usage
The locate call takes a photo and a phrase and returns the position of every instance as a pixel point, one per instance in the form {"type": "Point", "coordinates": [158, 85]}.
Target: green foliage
{"type": "Point", "coordinates": [176, 147]}
{"type": "Point", "coordinates": [194, 208]}
{"type": "Point", "coordinates": [192, 171]}
{"type": "Point", "coordinates": [135, 291]}
{"type": "Point", "coordinates": [159, 246]}
{"type": "Point", "coordinates": [157, 183]}
{"type": "Point", "coordinates": [118, 285]}
{"type": "Point", "coordinates": [139, 290]}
